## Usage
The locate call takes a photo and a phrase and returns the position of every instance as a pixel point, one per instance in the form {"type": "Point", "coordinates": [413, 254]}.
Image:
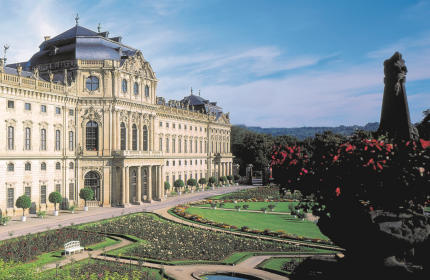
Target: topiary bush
{"type": "Point", "coordinates": [55, 197]}
{"type": "Point", "coordinates": [178, 184]}
{"type": "Point", "coordinates": [166, 186]}
{"type": "Point", "coordinates": [23, 202]}
{"type": "Point", "coordinates": [86, 194]}
{"type": "Point", "coordinates": [202, 181]}
{"type": "Point", "coordinates": [212, 180]}
{"type": "Point", "coordinates": [192, 182]}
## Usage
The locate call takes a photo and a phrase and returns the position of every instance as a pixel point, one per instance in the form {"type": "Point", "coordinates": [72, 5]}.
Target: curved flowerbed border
{"type": "Point", "coordinates": [180, 210]}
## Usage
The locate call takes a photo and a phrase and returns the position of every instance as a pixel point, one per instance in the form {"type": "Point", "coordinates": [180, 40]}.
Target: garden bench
{"type": "Point", "coordinates": [72, 246]}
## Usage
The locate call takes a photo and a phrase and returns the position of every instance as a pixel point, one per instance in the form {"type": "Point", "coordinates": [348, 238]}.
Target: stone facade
{"type": "Point", "coordinates": [71, 122]}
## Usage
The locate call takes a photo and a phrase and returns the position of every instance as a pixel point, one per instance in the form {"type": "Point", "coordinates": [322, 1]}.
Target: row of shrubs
{"type": "Point", "coordinates": [180, 210]}
{"type": "Point", "coordinates": [179, 183]}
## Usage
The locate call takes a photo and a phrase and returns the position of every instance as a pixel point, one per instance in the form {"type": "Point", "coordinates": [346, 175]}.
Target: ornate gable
{"type": "Point", "coordinates": [139, 66]}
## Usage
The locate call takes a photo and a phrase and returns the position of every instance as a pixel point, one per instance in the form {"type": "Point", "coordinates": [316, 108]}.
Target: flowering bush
{"type": "Point", "coordinates": [26, 248]}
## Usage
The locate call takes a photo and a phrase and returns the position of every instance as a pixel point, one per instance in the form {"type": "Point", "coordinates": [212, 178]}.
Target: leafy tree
{"type": "Point", "coordinates": [178, 184]}
{"type": "Point", "coordinates": [86, 194]}
{"type": "Point", "coordinates": [55, 197]}
{"type": "Point", "coordinates": [191, 182]}
{"type": "Point", "coordinates": [166, 185]}
{"type": "Point", "coordinates": [230, 178]}
{"type": "Point", "coordinates": [202, 181]}
{"type": "Point", "coordinates": [23, 202]}
{"type": "Point", "coordinates": [223, 179]}
{"type": "Point", "coordinates": [212, 180]}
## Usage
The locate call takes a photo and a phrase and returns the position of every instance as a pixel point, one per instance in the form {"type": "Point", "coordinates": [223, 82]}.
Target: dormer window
{"type": "Point", "coordinates": [92, 83]}
{"type": "Point", "coordinates": [124, 86]}
{"type": "Point", "coordinates": [136, 88]}
{"type": "Point", "coordinates": [147, 91]}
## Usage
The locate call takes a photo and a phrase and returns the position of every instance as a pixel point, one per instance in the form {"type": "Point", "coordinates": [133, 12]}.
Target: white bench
{"type": "Point", "coordinates": [72, 247]}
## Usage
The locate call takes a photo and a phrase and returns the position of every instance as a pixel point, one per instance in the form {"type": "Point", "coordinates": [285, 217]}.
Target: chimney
{"type": "Point", "coordinates": [47, 38]}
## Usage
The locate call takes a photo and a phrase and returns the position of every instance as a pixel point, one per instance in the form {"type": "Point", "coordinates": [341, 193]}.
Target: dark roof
{"type": "Point", "coordinates": [80, 43]}
{"type": "Point", "coordinates": [14, 71]}
{"type": "Point", "coordinates": [194, 100]}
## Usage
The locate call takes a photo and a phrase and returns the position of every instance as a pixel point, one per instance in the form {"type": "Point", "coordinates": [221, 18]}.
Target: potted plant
{"type": "Point", "coordinates": [178, 184]}
{"type": "Point", "coordinates": [4, 220]}
{"type": "Point", "coordinates": [166, 188]}
{"type": "Point", "coordinates": [86, 194]}
{"type": "Point", "coordinates": [202, 181]}
{"type": "Point", "coordinates": [212, 181]}
{"type": "Point", "coordinates": [223, 180]}
{"type": "Point", "coordinates": [55, 197]}
{"type": "Point", "coordinates": [23, 202]}
{"type": "Point", "coordinates": [263, 209]}
{"type": "Point", "coordinates": [230, 179]}
{"type": "Point", "coordinates": [41, 214]}
{"type": "Point", "coordinates": [191, 182]}
{"type": "Point", "coordinates": [213, 205]}
{"type": "Point", "coordinates": [271, 207]}
{"type": "Point", "coordinates": [237, 207]}
{"type": "Point", "coordinates": [245, 206]}
{"type": "Point", "coordinates": [72, 209]}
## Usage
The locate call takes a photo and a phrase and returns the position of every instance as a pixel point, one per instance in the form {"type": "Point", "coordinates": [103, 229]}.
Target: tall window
{"type": "Point", "coordinates": [191, 145]}
{"type": "Point", "coordinates": [136, 88]}
{"type": "Point", "coordinates": [180, 145]}
{"type": "Point", "coordinates": [71, 141]}
{"type": "Point", "coordinates": [27, 166]}
{"type": "Point", "coordinates": [10, 197]}
{"type": "Point", "coordinates": [161, 144]}
{"type": "Point", "coordinates": [173, 146]}
{"type": "Point", "coordinates": [92, 136]}
{"type": "Point", "coordinates": [167, 145]}
{"type": "Point", "coordinates": [147, 91]}
{"type": "Point", "coordinates": [123, 137]}
{"type": "Point", "coordinates": [27, 138]}
{"type": "Point", "coordinates": [27, 192]}
{"type": "Point", "coordinates": [71, 165]}
{"type": "Point", "coordinates": [145, 138]}
{"type": "Point", "coordinates": [10, 167]}
{"type": "Point", "coordinates": [206, 146]}
{"type": "Point", "coordinates": [43, 139]}
{"type": "Point", "coordinates": [57, 140]}
{"type": "Point", "coordinates": [92, 180]}
{"type": "Point", "coordinates": [43, 166]}
{"type": "Point", "coordinates": [195, 146]}
{"type": "Point", "coordinates": [10, 137]}
{"type": "Point", "coordinates": [92, 83]}
{"type": "Point", "coordinates": [134, 137]}
{"type": "Point", "coordinates": [43, 194]}
{"type": "Point", "coordinates": [185, 146]}
{"type": "Point", "coordinates": [58, 165]}
{"type": "Point", "coordinates": [58, 188]}
{"type": "Point", "coordinates": [71, 191]}
{"type": "Point", "coordinates": [124, 85]}
{"type": "Point", "coordinates": [201, 146]}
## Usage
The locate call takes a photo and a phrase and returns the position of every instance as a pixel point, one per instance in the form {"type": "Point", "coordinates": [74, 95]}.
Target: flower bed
{"type": "Point", "coordinates": [257, 193]}
{"type": "Point", "coordinates": [26, 248]}
{"type": "Point", "coordinates": [169, 241]}
{"type": "Point", "coordinates": [180, 210]}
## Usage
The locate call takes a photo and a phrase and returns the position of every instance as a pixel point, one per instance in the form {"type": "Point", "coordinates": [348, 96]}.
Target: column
{"type": "Point", "coordinates": [219, 169]}
{"type": "Point", "coordinates": [123, 187]}
{"type": "Point", "coordinates": [114, 127]}
{"type": "Point", "coordinates": [139, 185]}
{"type": "Point", "coordinates": [140, 135]}
{"type": "Point", "coordinates": [129, 134]}
{"type": "Point", "coordinates": [149, 198]}
{"type": "Point", "coordinates": [159, 186]}
{"type": "Point", "coordinates": [162, 181]}
{"type": "Point", "coordinates": [127, 185]}
{"type": "Point", "coordinates": [117, 132]}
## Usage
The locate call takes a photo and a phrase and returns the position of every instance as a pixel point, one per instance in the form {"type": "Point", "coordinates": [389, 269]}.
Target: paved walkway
{"type": "Point", "coordinates": [34, 224]}
{"type": "Point", "coordinates": [164, 213]}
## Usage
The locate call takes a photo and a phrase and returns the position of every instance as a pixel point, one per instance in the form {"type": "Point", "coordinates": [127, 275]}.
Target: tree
{"type": "Point", "coordinates": [202, 181]}
{"type": "Point", "coordinates": [86, 194]}
{"type": "Point", "coordinates": [212, 180]}
{"type": "Point", "coordinates": [178, 184]}
{"type": "Point", "coordinates": [55, 197]}
{"type": "Point", "coordinates": [223, 179]}
{"type": "Point", "coordinates": [192, 182]}
{"type": "Point", "coordinates": [230, 178]}
{"type": "Point", "coordinates": [166, 186]}
{"type": "Point", "coordinates": [23, 202]}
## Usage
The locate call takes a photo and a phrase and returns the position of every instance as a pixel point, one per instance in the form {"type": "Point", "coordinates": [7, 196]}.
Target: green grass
{"type": "Point", "coordinates": [276, 265]}
{"type": "Point", "coordinates": [108, 242]}
{"type": "Point", "coordinates": [280, 206]}
{"type": "Point", "coordinates": [261, 221]}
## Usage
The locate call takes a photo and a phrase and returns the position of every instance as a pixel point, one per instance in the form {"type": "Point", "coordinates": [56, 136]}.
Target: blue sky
{"type": "Point", "coordinates": [269, 63]}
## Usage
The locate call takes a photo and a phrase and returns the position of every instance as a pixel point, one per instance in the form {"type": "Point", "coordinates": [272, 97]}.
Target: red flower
{"type": "Point", "coordinates": [337, 191]}
{"type": "Point", "coordinates": [424, 143]}
{"type": "Point", "coordinates": [335, 158]}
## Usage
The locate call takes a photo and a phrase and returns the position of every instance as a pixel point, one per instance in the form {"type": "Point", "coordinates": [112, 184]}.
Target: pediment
{"type": "Point", "coordinates": [139, 66]}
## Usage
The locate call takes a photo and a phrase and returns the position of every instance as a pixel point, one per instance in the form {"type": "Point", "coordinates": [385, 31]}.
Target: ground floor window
{"type": "Point", "coordinates": [10, 197]}
{"type": "Point", "coordinates": [27, 191]}
{"type": "Point", "coordinates": [58, 188]}
{"type": "Point", "coordinates": [71, 191]}
{"type": "Point", "coordinates": [92, 180]}
{"type": "Point", "coordinates": [43, 194]}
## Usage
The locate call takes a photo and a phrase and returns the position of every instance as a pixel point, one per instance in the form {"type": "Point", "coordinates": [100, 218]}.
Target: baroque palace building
{"type": "Point", "coordinates": [83, 112]}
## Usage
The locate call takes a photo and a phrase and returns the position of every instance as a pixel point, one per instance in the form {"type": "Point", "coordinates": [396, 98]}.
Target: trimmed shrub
{"type": "Point", "coordinates": [55, 197]}
{"type": "Point", "coordinates": [178, 184]}
{"type": "Point", "coordinates": [23, 202]}
{"type": "Point", "coordinates": [86, 194]}
{"type": "Point", "coordinates": [202, 181]}
{"type": "Point", "coordinates": [212, 180]}
{"type": "Point", "coordinates": [166, 186]}
{"type": "Point", "coordinates": [191, 182]}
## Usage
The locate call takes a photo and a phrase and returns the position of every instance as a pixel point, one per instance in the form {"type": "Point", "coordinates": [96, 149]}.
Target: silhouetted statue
{"type": "Point", "coordinates": [395, 119]}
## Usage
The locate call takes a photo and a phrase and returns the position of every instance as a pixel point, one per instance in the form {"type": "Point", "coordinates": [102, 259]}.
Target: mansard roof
{"type": "Point", "coordinates": [81, 43]}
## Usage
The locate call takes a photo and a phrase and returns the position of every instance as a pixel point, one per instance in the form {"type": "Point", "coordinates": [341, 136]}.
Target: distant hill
{"type": "Point", "coordinates": [304, 132]}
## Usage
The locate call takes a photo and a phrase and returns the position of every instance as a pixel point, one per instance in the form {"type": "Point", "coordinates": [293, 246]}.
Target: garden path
{"type": "Point", "coordinates": [164, 213]}
{"type": "Point", "coordinates": [242, 210]}
{"type": "Point", "coordinates": [33, 224]}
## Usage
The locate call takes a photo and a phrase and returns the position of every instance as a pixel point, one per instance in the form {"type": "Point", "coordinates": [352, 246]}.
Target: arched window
{"type": "Point", "coordinates": [92, 180]}
{"type": "Point", "coordinates": [134, 137]}
{"type": "Point", "coordinates": [123, 136]}
{"type": "Point", "coordinates": [43, 166]}
{"type": "Point", "coordinates": [147, 91]}
{"type": "Point", "coordinates": [92, 136]}
{"type": "Point", "coordinates": [124, 86]}
{"type": "Point", "coordinates": [27, 166]}
{"type": "Point", "coordinates": [10, 167]}
{"type": "Point", "coordinates": [27, 138]}
{"type": "Point", "coordinates": [133, 185]}
{"type": "Point", "coordinates": [43, 139]}
{"type": "Point", "coordinates": [167, 145]}
{"type": "Point", "coordinates": [92, 83]}
{"type": "Point", "coordinates": [71, 165]}
{"type": "Point", "coordinates": [10, 137]}
{"type": "Point", "coordinates": [57, 140]}
{"type": "Point", "coordinates": [145, 138]}
{"type": "Point", "coordinates": [136, 88]}
{"type": "Point", "coordinates": [71, 141]}
{"type": "Point", "coordinates": [58, 165]}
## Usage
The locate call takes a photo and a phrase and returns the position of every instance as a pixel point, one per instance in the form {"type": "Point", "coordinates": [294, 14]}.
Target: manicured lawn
{"type": "Point", "coordinates": [261, 221]}
{"type": "Point", "coordinates": [278, 265]}
{"type": "Point", "coordinates": [280, 206]}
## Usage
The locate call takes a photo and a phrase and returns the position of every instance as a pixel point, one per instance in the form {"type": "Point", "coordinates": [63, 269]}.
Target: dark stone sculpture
{"type": "Point", "coordinates": [395, 118]}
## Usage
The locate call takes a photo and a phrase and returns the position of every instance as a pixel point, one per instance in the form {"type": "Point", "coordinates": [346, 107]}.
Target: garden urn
{"type": "Point", "coordinates": [23, 219]}
{"type": "Point", "coordinates": [85, 208]}
{"type": "Point", "coordinates": [56, 213]}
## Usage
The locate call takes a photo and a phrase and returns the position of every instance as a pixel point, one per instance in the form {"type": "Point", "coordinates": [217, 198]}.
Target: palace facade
{"type": "Point", "coordinates": [84, 112]}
